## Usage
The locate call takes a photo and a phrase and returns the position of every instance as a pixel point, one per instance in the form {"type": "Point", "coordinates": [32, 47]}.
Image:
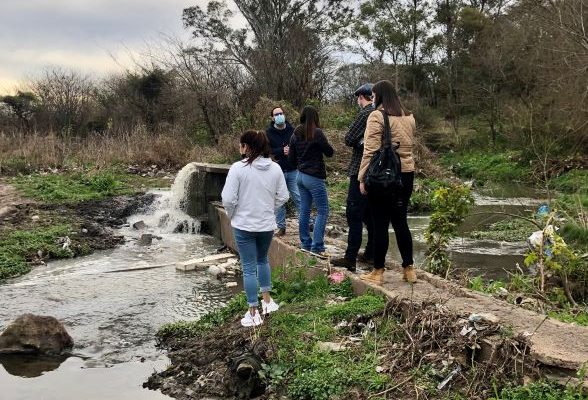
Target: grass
{"type": "Point", "coordinates": [337, 189]}
{"type": "Point", "coordinates": [189, 329]}
{"type": "Point", "coordinates": [313, 373]}
{"type": "Point", "coordinates": [578, 317]}
{"type": "Point", "coordinates": [18, 246]}
{"type": "Point", "coordinates": [74, 187]}
{"type": "Point", "coordinates": [575, 181]}
{"type": "Point", "coordinates": [484, 167]}
{"type": "Point", "coordinates": [541, 390]}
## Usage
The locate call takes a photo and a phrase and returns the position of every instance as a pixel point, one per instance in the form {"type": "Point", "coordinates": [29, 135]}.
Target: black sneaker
{"type": "Point", "coordinates": [365, 258]}
{"type": "Point", "coordinates": [344, 263]}
{"type": "Point", "coordinates": [281, 232]}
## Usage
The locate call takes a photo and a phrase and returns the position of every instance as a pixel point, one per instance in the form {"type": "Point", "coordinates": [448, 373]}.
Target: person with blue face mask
{"type": "Point", "coordinates": [279, 133]}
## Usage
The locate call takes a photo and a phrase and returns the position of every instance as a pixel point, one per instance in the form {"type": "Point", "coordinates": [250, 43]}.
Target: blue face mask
{"type": "Point", "coordinates": [280, 119]}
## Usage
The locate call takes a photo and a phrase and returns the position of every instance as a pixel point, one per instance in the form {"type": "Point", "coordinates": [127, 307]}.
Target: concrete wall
{"type": "Point", "coordinates": [205, 186]}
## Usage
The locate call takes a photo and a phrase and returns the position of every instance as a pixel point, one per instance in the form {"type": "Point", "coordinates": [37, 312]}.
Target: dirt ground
{"type": "Point", "coordinates": [93, 220]}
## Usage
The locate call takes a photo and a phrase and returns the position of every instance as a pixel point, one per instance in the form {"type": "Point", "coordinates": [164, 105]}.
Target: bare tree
{"type": "Point", "coordinates": [66, 97]}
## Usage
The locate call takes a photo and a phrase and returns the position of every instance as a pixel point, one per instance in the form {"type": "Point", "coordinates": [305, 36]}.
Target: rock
{"type": "Point", "coordinates": [84, 230]}
{"type": "Point", "coordinates": [145, 240]}
{"type": "Point", "coordinates": [139, 225]}
{"type": "Point", "coordinates": [35, 334]}
{"type": "Point", "coordinates": [231, 284]}
{"type": "Point", "coordinates": [330, 346]}
{"type": "Point", "coordinates": [35, 218]}
{"type": "Point", "coordinates": [214, 270]}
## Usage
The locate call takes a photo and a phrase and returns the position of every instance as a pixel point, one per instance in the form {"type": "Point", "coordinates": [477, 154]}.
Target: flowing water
{"type": "Point", "coordinates": [112, 316]}
{"type": "Point", "coordinates": [476, 256]}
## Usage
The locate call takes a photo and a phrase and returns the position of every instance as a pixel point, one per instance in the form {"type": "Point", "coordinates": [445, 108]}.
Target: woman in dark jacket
{"type": "Point", "coordinates": [307, 147]}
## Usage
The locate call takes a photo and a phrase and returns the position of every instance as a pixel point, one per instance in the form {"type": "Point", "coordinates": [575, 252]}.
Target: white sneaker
{"type": "Point", "coordinates": [270, 307]}
{"type": "Point", "coordinates": [249, 320]}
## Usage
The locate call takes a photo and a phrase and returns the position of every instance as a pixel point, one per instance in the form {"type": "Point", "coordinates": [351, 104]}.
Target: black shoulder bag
{"type": "Point", "coordinates": [384, 172]}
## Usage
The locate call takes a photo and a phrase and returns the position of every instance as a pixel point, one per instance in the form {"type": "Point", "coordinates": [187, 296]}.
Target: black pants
{"type": "Point", "coordinates": [392, 208]}
{"type": "Point", "coordinates": [357, 213]}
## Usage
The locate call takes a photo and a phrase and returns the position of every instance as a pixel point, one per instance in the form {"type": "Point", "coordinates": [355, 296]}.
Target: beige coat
{"type": "Point", "coordinates": [402, 129]}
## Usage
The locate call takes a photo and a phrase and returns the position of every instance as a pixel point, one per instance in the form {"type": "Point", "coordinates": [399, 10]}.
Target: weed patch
{"type": "Point", "coordinates": [18, 248]}
{"type": "Point", "coordinates": [484, 167]}
{"type": "Point", "coordinates": [512, 230]}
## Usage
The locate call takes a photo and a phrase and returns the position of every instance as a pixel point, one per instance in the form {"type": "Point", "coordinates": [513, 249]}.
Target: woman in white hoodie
{"type": "Point", "coordinates": [255, 188]}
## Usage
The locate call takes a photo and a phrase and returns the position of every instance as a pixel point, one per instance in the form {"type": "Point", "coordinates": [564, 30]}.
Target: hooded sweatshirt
{"type": "Point", "coordinates": [280, 138]}
{"type": "Point", "coordinates": [252, 193]}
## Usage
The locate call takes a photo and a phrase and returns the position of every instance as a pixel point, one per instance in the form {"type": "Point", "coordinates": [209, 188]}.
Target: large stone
{"type": "Point", "coordinates": [35, 334]}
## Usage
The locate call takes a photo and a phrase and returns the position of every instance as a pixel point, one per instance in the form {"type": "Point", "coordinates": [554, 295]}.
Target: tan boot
{"type": "Point", "coordinates": [376, 276]}
{"type": "Point", "coordinates": [409, 274]}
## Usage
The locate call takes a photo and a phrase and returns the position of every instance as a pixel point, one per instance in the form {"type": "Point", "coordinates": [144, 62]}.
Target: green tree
{"type": "Point", "coordinates": [23, 105]}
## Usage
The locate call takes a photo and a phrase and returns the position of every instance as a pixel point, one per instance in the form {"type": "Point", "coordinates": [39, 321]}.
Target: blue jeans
{"type": "Point", "coordinates": [253, 248]}
{"type": "Point", "coordinates": [294, 195]}
{"type": "Point", "coordinates": [312, 189]}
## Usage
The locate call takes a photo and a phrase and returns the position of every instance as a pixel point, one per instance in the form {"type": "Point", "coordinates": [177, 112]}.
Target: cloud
{"type": "Point", "coordinates": [81, 34]}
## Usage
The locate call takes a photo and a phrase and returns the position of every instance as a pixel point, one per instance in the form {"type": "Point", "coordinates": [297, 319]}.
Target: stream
{"type": "Point", "coordinates": [113, 316]}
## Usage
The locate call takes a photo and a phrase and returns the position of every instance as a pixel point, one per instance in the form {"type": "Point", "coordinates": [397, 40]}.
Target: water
{"type": "Point", "coordinates": [490, 258]}
{"type": "Point", "coordinates": [112, 316]}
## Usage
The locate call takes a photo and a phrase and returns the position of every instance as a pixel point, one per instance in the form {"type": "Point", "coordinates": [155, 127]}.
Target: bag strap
{"type": "Point", "coordinates": [387, 137]}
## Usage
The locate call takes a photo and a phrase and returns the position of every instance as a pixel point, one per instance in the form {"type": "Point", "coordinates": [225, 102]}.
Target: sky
{"type": "Point", "coordinates": [94, 37]}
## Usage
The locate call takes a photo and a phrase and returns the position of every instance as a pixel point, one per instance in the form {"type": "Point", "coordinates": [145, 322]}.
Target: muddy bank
{"type": "Point", "coordinates": [91, 222]}
{"type": "Point", "coordinates": [206, 367]}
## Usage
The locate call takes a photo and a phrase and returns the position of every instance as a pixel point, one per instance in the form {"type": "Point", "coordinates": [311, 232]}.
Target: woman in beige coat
{"type": "Point", "coordinates": [390, 206]}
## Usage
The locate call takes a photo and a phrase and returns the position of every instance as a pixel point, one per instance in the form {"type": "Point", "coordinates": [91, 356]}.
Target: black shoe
{"type": "Point", "coordinates": [365, 258]}
{"type": "Point", "coordinates": [344, 263]}
{"type": "Point", "coordinates": [281, 232]}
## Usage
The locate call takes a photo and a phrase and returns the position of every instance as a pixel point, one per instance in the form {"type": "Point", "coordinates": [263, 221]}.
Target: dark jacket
{"type": "Point", "coordinates": [280, 138]}
{"type": "Point", "coordinates": [354, 139]}
{"type": "Point", "coordinates": [308, 156]}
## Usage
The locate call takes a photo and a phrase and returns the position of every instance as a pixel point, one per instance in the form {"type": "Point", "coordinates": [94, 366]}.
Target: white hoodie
{"type": "Point", "coordinates": [253, 193]}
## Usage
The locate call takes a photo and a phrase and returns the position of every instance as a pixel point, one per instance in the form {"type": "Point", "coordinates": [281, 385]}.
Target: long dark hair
{"type": "Point", "coordinates": [387, 97]}
{"type": "Point", "coordinates": [257, 143]}
{"type": "Point", "coordinates": [310, 119]}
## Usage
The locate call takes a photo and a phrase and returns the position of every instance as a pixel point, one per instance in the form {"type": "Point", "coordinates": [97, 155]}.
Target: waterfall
{"type": "Point", "coordinates": [167, 213]}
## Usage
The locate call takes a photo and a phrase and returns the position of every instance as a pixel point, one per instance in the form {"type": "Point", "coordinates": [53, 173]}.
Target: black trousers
{"type": "Point", "coordinates": [357, 213]}
{"type": "Point", "coordinates": [392, 208]}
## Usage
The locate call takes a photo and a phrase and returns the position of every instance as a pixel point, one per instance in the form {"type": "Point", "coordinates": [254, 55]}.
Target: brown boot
{"type": "Point", "coordinates": [376, 276]}
{"type": "Point", "coordinates": [409, 274]}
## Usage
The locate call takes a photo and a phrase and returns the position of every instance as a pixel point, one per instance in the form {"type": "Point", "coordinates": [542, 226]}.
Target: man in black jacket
{"type": "Point", "coordinates": [279, 133]}
{"type": "Point", "coordinates": [357, 212]}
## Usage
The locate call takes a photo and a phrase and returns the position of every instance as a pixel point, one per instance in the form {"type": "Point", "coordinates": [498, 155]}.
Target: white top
{"type": "Point", "coordinates": [253, 193]}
